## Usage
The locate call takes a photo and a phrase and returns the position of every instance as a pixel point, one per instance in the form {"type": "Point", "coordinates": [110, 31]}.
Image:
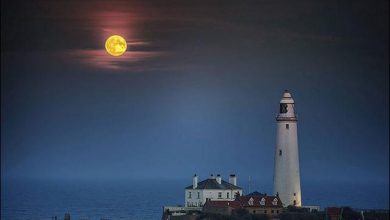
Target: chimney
{"type": "Point", "coordinates": [219, 179]}
{"type": "Point", "coordinates": [212, 176]}
{"type": "Point", "coordinates": [195, 182]}
{"type": "Point", "coordinates": [233, 179]}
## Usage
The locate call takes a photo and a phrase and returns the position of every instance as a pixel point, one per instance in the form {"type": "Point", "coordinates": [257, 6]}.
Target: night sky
{"type": "Point", "coordinates": [197, 90]}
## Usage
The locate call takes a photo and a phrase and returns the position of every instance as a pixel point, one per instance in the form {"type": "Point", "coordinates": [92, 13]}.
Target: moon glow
{"type": "Point", "coordinates": [116, 45]}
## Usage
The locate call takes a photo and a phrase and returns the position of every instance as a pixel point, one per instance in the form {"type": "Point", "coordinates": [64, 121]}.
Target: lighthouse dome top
{"type": "Point", "coordinates": [287, 98]}
{"type": "Point", "coordinates": [286, 94]}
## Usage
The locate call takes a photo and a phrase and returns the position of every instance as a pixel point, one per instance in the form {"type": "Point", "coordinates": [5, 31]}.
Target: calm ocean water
{"type": "Point", "coordinates": [143, 200]}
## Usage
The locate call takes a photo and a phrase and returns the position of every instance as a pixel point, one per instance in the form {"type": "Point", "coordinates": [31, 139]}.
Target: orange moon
{"type": "Point", "coordinates": [116, 45]}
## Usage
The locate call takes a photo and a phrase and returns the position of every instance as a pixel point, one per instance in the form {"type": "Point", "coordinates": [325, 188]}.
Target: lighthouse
{"type": "Point", "coordinates": [287, 184]}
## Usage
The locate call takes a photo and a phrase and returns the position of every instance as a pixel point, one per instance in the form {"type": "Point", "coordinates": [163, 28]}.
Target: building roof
{"type": "Point", "coordinates": [334, 211]}
{"type": "Point", "coordinates": [247, 201]}
{"type": "Point", "coordinates": [213, 184]}
{"type": "Point", "coordinates": [260, 201]}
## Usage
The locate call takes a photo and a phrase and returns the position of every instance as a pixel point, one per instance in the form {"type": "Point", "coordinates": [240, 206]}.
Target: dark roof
{"type": "Point", "coordinates": [247, 201]}
{"type": "Point", "coordinates": [213, 184]}
{"type": "Point", "coordinates": [335, 211]}
{"type": "Point", "coordinates": [269, 201]}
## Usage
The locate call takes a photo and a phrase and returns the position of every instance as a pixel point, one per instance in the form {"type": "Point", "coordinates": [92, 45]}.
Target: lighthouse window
{"type": "Point", "coordinates": [280, 152]}
{"type": "Point", "coordinates": [287, 126]}
{"type": "Point", "coordinates": [295, 194]}
{"type": "Point", "coordinates": [219, 195]}
{"type": "Point", "coordinates": [189, 195]}
{"type": "Point", "coordinates": [198, 195]}
{"type": "Point", "coordinates": [227, 195]}
{"type": "Point", "coordinates": [283, 108]}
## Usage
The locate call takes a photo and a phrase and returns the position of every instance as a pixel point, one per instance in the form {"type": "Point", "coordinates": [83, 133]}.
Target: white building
{"type": "Point", "coordinates": [213, 188]}
{"type": "Point", "coordinates": [287, 182]}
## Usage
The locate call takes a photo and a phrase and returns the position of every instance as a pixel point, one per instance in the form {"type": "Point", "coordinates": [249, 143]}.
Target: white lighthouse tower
{"type": "Point", "coordinates": [287, 182]}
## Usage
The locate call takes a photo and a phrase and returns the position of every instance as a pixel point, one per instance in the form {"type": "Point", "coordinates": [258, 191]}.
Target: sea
{"type": "Point", "coordinates": [144, 199]}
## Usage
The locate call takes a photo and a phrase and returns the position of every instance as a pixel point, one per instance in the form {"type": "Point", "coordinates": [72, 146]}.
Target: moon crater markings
{"type": "Point", "coordinates": [116, 45]}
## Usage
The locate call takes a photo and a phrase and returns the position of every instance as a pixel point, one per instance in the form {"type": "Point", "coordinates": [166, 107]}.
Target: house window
{"type": "Point", "coordinates": [219, 195]}
{"type": "Point", "coordinates": [254, 211]}
{"type": "Point", "coordinates": [275, 201]}
{"type": "Point", "coordinates": [277, 211]}
{"type": "Point", "coordinates": [262, 201]}
{"type": "Point", "coordinates": [265, 211]}
{"type": "Point", "coordinates": [287, 126]}
{"type": "Point", "coordinates": [280, 152]}
{"type": "Point", "coordinates": [189, 195]}
{"type": "Point", "coordinates": [250, 201]}
{"type": "Point", "coordinates": [272, 211]}
{"type": "Point", "coordinates": [227, 195]}
{"type": "Point", "coordinates": [198, 195]}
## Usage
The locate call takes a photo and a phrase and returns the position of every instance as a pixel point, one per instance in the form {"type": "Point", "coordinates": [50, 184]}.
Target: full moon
{"type": "Point", "coordinates": [116, 45]}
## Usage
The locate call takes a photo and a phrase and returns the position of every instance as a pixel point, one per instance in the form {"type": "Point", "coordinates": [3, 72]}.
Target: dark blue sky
{"type": "Point", "coordinates": [197, 91]}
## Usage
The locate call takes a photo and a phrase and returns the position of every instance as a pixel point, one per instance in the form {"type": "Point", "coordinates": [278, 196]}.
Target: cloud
{"type": "Point", "coordinates": [131, 60]}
